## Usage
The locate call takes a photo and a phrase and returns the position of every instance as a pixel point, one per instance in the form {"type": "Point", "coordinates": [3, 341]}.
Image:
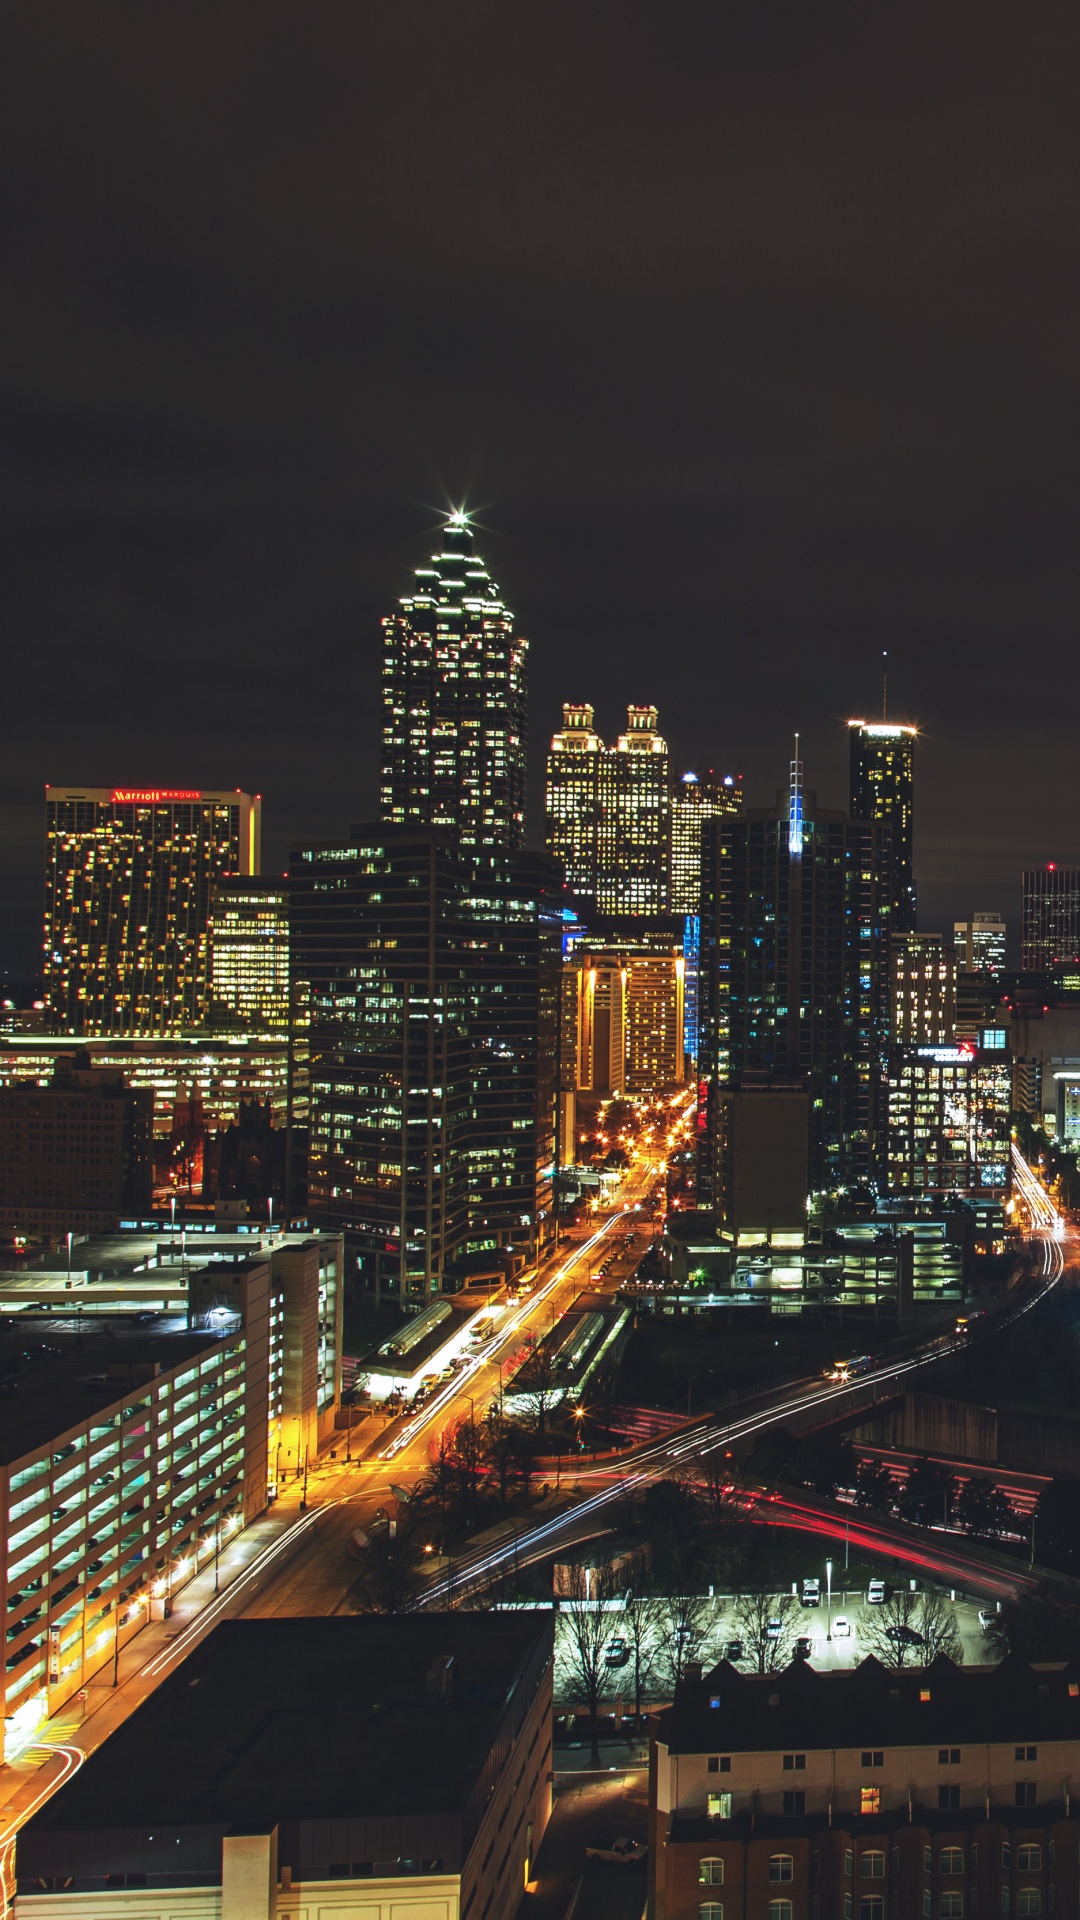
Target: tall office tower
{"type": "Point", "coordinates": [249, 955]}
{"type": "Point", "coordinates": [695, 799]}
{"type": "Point", "coordinates": [634, 834]}
{"type": "Point", "coordinates": [425, 991]}
{"type": "Point", "coordinates": [573, 798]}
{"type": "Point", "coordinates": [882, 789]}
{"type": "Point", "coordinates": [1051, 927]}
{"type": "Point", "coordinates": [922, 980]}
{"type": "Point", "coordinates": [127, 903]}
{"type": "Point", "coordinates": [793, 984]}
{"type": "Point", "coordinates": [980, 943]}
{"type": "Point", "coordinates": [948, 1120]}
{"type": "Point", "coordinates": [453, 730]}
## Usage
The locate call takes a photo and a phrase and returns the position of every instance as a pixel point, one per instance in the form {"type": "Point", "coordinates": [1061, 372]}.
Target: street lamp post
{"type": "Point", "coordinates": [828, 1599]}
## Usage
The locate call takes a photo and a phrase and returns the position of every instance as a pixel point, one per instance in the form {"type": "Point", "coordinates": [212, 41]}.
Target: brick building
{"type": "Point", "coordinates": [866, 1793]}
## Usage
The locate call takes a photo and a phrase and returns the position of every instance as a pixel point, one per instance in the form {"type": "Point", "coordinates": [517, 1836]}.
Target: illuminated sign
{"type": "Point", "coordinates": [122, 796]}
{"type": "Point", "coordinates": [949, 1056]}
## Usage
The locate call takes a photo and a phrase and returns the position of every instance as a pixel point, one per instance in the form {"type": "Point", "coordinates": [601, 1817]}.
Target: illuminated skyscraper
{"type": "Point", "coordinates": [634, 835]}
{"type": "Point", "coordinates": [573, 798]}
{"type": "Point", "coordinates": [695, 799]}
{"type": "Point", "coordinates": [425, 985]}
{"type": "Point", "coordinates": [129, 874]}
{"type": "Point", "coordinates": [882, 789]}
{"type": "Point", "coordinates": [453, 730]}
{"type": "Point", "coordinates": [249, 955]}
{"type": "Point", "coordinates": [980, 943]}
{"type": "Point", "coordinates": [1051, 928]}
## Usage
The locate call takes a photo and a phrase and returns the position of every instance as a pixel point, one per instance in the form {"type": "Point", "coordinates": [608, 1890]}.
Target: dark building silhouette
{"type": "Point", "coordinates": [794, 948]}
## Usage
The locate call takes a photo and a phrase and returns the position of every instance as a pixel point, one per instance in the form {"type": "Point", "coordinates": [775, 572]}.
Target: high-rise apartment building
{"type": "Point", "coordinates": [630, 1022]}
{"type": "Point", "coordinates": [696, 799]}
{"type": "Point", "coordinates": [795, 909]}
{"type": "Point", "coordinates": [922, 980]}
{"type": "Point", "coordinates": [573, 798]}
{"type": "Point", "coordinates": [453, 729]}
{"type": "Point", "coordinates": [1050, 935]}
{"type": "Point", "coordinates": [128, 881]}
{"type": "Point", "coordinates": [634, 836]}
{"type": "Point", "coordinates": [882, 789]}
{"type": "Point", "coordinates": [425, 988]}
{"type": "Point", "coordinates": [249, 956]}
{"type": "Point", "coordinates": [980, 943]}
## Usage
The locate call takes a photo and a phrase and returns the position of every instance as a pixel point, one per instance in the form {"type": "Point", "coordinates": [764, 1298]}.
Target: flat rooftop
{"type": "Point", "coordinates": [52, 1380]}
{"type": "Point", "coordinates": [309, 1719]}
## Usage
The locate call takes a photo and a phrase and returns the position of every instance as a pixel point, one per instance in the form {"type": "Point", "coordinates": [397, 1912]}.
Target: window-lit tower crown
{"type": "Point", "coordinates": [634, 838]}
{"type": "Point", "coordinates": [883, 789]}
{"type": "Point", "coordinates": [573, 798]}
{"type": "Point", "coordinates": [453, 733]}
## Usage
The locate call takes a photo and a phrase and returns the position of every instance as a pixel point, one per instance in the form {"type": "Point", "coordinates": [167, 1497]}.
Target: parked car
{"type": "Point", "coordinates": [904, 1636]}
{"type": "Point", "coordinates": [618, 1652]}
{"type": "Point", "coordinates": [988, 1617]}
{"type": "Point", "coordinates": [735, 1650]}
{"type": "Point", "coordinates": [841, 1629]}
{"type": "Point", "coordinates": [773, 1629]}
{"type": "Point", "coordinates": [875, 1593]}
{"type": "Point", "coordinates": [804, 1647]}
{"type": "Point", "coordinates": [622, 1853]}
{"type": "Point", "coordinates": [811, 1593]}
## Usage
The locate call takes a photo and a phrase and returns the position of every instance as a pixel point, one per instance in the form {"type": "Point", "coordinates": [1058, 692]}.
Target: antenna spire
{"type": "Point", "coordinates": [884, 683]}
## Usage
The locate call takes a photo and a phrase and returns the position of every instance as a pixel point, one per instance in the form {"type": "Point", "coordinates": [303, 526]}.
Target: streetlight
{"type": "Point", "coordinates": [828, 1599]}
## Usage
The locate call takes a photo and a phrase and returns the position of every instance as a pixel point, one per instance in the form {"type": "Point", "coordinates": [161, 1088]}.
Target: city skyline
{"type": "Point", "coordinates": [740, 395]}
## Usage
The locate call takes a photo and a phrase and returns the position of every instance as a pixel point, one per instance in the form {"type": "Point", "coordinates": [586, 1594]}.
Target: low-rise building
{"type": "Point", "coordinates": [365, 1768]}
{"type": "Point", "coordinates": [75, 1154]}
{"type": "Point", "coordinates": [865, 1792]}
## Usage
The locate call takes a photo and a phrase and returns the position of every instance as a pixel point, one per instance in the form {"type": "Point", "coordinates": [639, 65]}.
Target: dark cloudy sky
{"type": "Point", "coordinates": [750, 332]}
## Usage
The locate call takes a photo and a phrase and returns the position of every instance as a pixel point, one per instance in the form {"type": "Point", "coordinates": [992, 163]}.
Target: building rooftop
{"type": "Point", "coordinates": [872, 1706]}
{"type": "Point", "coordinates": [310, 1720]}
{"type": "Point", "coordinates": [51, 1381]}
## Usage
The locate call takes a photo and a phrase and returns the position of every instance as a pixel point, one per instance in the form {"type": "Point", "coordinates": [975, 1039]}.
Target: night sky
{"type": "Point", "coordinates": [751, 335]}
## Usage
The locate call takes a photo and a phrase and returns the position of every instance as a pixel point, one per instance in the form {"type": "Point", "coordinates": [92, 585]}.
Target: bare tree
{"type": "Point", "coordinates": [584, 1625]}
{"type": "Point", "coordinates": [683, 1622]}
{"type": "Point", "coordinates": [641, 1621]}
{"type": "Point", "coordinates": [892, 1632]}
{"type": "Point", "coordinates": [938, 1625]}
{"type": "Point", "coordinates": [766, 1628]}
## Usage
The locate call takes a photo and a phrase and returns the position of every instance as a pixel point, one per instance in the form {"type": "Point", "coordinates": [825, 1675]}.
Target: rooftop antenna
{"type": "Point", "coordinates": [884, 683]}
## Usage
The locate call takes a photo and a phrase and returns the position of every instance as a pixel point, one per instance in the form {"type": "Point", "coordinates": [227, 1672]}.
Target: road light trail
{"type": "Point", "coordinates": [72, 1759]}
{"type": "Point", "coordinates": [653, 1460]}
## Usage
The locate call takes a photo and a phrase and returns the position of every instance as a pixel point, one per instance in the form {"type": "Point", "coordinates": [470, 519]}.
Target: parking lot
{"type": "Point", "coordinates": [837, 1638]}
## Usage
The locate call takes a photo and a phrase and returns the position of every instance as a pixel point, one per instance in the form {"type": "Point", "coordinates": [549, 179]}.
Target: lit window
{"type": "Point", "coordinates": [711, 1871]}
{"type": "Point", "coordinates": [870, 1800]}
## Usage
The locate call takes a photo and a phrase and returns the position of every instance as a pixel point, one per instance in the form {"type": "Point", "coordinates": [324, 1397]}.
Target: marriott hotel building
{"type": "Point", "coordinates": [129, 873]}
